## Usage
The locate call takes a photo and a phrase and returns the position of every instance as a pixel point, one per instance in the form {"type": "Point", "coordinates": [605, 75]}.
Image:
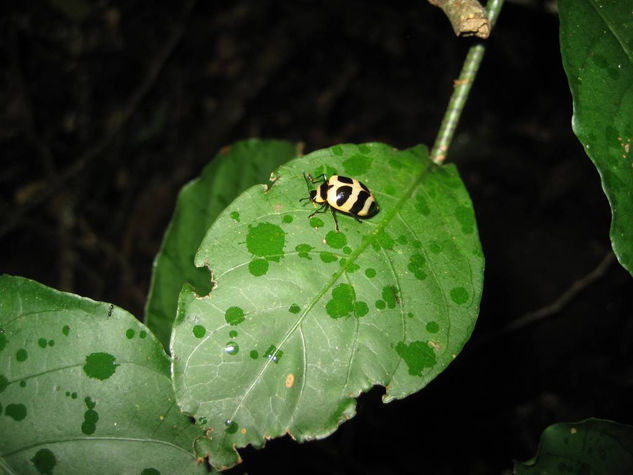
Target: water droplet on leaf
{"type": "Point", "coordinates": [231, 348]}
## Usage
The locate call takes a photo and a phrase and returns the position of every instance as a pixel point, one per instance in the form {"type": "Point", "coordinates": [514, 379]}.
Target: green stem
{"type": "Point", "coordinates": [461, 91]}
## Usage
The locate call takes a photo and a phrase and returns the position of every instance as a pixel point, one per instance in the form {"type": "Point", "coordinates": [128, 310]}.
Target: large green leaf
{"type": "Point", "coordinates": [232, 171]}
{"type": "Point", "coordinates": [593, 446]}
{"type": "Point", "coordinates": [596, 39]}
{"type": "Point", "coordinates": [304, 319]}
{"type": "Point", "coordinates": [84, 388]}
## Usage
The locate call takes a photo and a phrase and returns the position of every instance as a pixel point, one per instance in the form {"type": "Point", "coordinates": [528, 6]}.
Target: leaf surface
{"type": "Point", "coordinates": [83, 383]}
{"type": "Point", "coordinates": [232, 171]}
{"type": "Point", "coordinates": [592, 446]}
{"type": "Point", "coordinates": [304, 319]}
{"type": "Point", "coordinates": [596, 39]}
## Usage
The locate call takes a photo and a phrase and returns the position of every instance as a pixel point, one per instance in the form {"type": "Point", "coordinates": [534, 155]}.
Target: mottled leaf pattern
{"type": "Point", "coordinates": [84, 387]}
{"type": "Point", "coordinates": [304, 319]}
{"type": "Point", "coordinates": [596, 39]}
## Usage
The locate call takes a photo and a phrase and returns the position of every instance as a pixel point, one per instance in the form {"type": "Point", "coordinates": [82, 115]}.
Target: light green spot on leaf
{"type": "Point", "coordinates": [100, 366]}
{"type": "Point", "coordinates": [417, 265]}
{"type": "Point", "coordinates": [349, 267]}
{"type": "Point", "coordinates": [395, 164]}
{"type": "Point", "coordinates": [234, 315]}
{"type": "Point", "coordinates": [466, 218]}
{"type": "Point", "coordinates": [273, 354]}
{"type": "Point", "coordinates": [335, 240]}
{"type": "Point", "coordinates": [383, 241]}
{"type": "Point", "coordinates": [303, 250]}
{"type": "Point", "coordinates": [432, 327]}
{"type": "Point", "coordinates": [360, 308]}
{"type": "Point", "coordinates": [44, 461]}
{"type": "Point", "coordinates": [21, 355]}
{"type": "Point", "coordinates": [258, 267]}
{"type": "Point", "coordinates": [327, 257]}
{"type": "Point", "coordinates": [459, 295]}
{"type": "Point", "coordinates": [89, 425]}
{"type": "Point", "coordinates": [316, 222]}
{"type": "Point", "coordinates": [4, 382]}
{"type": "Point", "coordinates": [342, 302]}
{"type": "Point", "coordinates": [418, 355]}
{"type": "Point", "coordinates": [389, 294]}
{"type": "Point", "coordinates": [421, 205]}
{"type": "Point", "coordinates": [17, 412]}
{"type": "Point", "coordinates": [230, 427]}
{"type": "Point", "coordinates": [266, 240]}
{"type": "Point", "coordinates": [90, 404]}
{"type": "Point", "coordinates": [199, 331]}
{"type": "Point", "coordinates": [357, 165]}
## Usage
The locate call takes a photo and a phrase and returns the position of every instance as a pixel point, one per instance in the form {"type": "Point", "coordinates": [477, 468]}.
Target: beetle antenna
{"type": "Point", "coordinates": [307, 182]}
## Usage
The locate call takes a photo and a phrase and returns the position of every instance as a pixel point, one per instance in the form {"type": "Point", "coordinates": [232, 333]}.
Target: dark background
{"type": "Point", "coordinates": [110, 107]}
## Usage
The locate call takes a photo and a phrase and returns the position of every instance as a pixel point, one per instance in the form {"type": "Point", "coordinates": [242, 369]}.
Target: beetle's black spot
{"type": "Point", "coordinates": [373, 209]}
{"type": "Point", "coordinates": [323, 193]}
{"type": "Point", "coordinates": [342, 195]}
{"type": "Point", "coordinates": [344, 179]}
{"type": "Point", "coordinates": [363, 196]}
{"type": "Point", "coordinates": [363, 187]}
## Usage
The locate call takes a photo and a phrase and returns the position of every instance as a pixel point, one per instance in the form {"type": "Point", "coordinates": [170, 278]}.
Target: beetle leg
{"type": "Point", "coordinates": [305, 177]}
{"type": "Point", "coordinates": [335, 220]}
{"type": "Point", "coordinates": [320, 210]}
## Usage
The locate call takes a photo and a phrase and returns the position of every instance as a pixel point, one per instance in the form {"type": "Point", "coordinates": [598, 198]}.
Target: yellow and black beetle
{"type": "Point", "coordinates": [341, 193]}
